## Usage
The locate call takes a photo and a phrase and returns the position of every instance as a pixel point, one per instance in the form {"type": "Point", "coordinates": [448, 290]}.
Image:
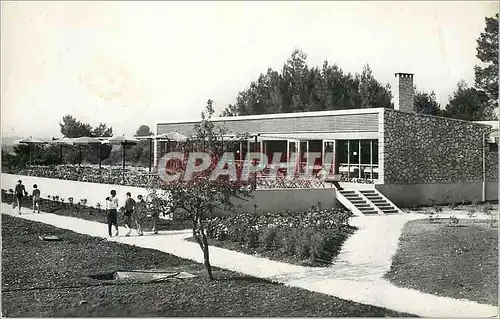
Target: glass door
{"type": "Point", "coordinates": [328, 156]}
{"type": "Point", "coordinates": [292, 148]}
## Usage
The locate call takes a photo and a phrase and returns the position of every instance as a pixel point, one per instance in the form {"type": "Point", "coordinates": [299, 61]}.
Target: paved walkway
{"type": "Point", "coordinates": [356, 275]}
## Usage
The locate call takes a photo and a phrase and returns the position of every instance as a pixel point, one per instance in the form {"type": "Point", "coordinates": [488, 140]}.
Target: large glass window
{"type": "Point", "coordinates": [365, 152]}
{"type": "Point", "coordinates": [342, 151]}
{"type": "Point", "coordinates": [375, 152]}
{"type": "Point", "coordinates": [354, 151]}
{"type": "Point", "coordinates": [358, 159]}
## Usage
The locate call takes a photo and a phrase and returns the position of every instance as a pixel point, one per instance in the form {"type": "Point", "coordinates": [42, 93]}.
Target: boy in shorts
{"type": "Point", "coordinates": [129, 210]}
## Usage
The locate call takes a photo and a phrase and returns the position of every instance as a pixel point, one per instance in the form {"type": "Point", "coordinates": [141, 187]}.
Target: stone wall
{"type": "Point", "coordinates": [429, 149]}
{"type": "Point", "coordinates": [491, 164]}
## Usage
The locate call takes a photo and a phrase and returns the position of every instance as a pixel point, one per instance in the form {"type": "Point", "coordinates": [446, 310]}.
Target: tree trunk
{"type": "Point", "coordinates": [201, 238]}
{"type": "Point", "coordinates": [206, 255]}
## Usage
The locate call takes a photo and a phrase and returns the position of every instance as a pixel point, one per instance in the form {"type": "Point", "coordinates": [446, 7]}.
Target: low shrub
{"type": "Point", "coordinates": [453, 221]}
{"type": "Point", "coordinates": [315, 235]}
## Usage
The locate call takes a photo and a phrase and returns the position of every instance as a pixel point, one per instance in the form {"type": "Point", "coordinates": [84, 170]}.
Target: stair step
{"type": "Point", "coordinates": [379, 201]}
{"type": "Point", "coordinates": [365, 208]}
{"type": "Point", "coordinates": [368, 192]}
{"type": "Point", "coordinates": [374, 197]}
{"type": "Point", "coordinates": [390, 211]}
{"type": "Point", "coordinates": [372, 212]}
{"type": "Point", "coordinates": [346, 192]}
{"type": "Point", "coordinates": [358, 201]}
{"type": "Point", "coordinates": [384, 205]}
{"type": "Point", "coordinates": [352, 196]}
{"type": "Point", "coordinates": [362, 205]}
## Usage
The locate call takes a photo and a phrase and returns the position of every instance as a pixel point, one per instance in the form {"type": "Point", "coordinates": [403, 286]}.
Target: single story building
{"type": "Point", "coordinates": [409, 158]}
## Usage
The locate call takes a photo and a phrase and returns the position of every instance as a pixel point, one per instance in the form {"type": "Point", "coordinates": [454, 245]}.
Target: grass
{"type": "Point", "coordinates": [458, 262]}
{"type": "Point", "coordinates": [45, 279]}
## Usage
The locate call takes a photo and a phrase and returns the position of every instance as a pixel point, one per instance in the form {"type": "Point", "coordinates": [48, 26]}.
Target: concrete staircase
{"type": "Point", "coordinates": [367, 202]}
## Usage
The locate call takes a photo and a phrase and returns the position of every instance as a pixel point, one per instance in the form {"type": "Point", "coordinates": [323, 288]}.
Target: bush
{"type": "Point", "coordinates": [316, 234]}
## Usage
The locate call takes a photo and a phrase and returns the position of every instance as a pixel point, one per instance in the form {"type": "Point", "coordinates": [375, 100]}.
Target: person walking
{"type": "Point", "coordinates": [129, 210]}
{"type": "Point", "coordinates": [36, 198]}
{"type": "Point", "coordinates": [140, 213]}
{"type": "Point", "coordinates": [112, 213]}
{"type": "Point", "coordinates": [19, 192]}
{"type": "Point", "coordinates": [155, 215]}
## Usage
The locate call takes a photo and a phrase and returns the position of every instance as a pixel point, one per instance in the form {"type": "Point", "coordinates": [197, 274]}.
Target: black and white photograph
{"type": "Point", "coordinates": [249, 159]}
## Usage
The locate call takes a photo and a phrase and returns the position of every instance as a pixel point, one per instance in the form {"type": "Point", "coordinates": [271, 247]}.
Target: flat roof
{"type": "Point", "coordinates": [281, 115]}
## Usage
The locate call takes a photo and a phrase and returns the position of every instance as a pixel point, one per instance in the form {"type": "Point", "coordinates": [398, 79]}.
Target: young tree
{"type": "Point", "coordinates": [201, 194]}
{"type": "Point", "coordinates": [486, 74]}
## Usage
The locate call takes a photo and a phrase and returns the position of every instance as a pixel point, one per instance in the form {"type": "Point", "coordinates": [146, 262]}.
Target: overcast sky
{"type": "Point", "coordinates": [127, 64]}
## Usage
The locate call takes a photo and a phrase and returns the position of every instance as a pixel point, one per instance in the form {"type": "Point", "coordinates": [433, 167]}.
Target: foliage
{"type": "Point", "coordinates": [200, 195]}
{"type": "Point", "coordinates": [72, 128]}
{"type": "Point", "coordinates": [436, 210]}
{"type": "Point", "coordinates": [315, 234]}
{"type": "Point", "coordinates": [143, 130]}
{"type": "Point", "coordinates": [468, 103]}
{"type": "Point", "coordinates": [372, 93]}
{"type": "Point", "coordinates": [486, 74]}
{"type": "Point", "coordinates": [487, 209]}
{"type": "Point", "coordinates": [425, 103]}
{"type": "Point", "coordinates": [300, 88]}
{"type": "Point", "coordinates": [453, 222]}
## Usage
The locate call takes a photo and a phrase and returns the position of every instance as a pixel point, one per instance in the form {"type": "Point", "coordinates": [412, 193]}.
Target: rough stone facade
{"type": "Point", "coordinates": [404, 95]}
{"type": "Point", "coordinates": [492, 164]}
{"type": "Point", "coordinates": [427, 149]}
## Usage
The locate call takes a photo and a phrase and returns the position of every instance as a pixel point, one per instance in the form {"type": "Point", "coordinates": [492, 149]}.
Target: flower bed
{"type": "Point", "coordinates": [313, 237]}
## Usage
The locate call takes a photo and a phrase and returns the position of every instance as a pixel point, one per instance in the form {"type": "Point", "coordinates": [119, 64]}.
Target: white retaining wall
{"type": "Point", "coordinates": [267, 201]}
{"type": "Point", "coordinates": [93, 192]}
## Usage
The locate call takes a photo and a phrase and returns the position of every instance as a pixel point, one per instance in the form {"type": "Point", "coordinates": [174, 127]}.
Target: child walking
{"type": "Point", "coordinates": [140, 214]}
{"type": "Point", "coordinates": [36, 199]}
{"type": "Point", "coordinates": [129, 210]}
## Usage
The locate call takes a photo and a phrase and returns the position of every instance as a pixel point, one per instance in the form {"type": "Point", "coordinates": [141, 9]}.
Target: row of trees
{"type": "Point", "coordinates": [300, 88]}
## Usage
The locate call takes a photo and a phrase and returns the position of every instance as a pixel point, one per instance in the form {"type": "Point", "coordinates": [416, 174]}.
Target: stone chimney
{"type": "Point", "coordinates": [404, 93]}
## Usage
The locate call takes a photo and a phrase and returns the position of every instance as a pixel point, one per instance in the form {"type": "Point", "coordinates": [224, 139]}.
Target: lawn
{"type": "Point", "coordinates": [459, 262]}
{"type": "Point", "coordinates": [43, 279]}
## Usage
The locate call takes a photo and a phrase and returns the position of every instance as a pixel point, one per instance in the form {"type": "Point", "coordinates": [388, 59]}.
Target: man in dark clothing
{"type": "Point", "coordinates": [129, 210]}
{"type": "Point", "coordinates": [19, 192]}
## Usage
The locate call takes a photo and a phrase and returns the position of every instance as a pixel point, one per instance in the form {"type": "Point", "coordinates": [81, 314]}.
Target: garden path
{"type": "Point", "coordinates": [356, 274]}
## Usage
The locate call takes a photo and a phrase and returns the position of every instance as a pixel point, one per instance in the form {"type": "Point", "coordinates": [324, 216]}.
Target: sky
{"type": "Point", "coordinates": [132, 63]}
